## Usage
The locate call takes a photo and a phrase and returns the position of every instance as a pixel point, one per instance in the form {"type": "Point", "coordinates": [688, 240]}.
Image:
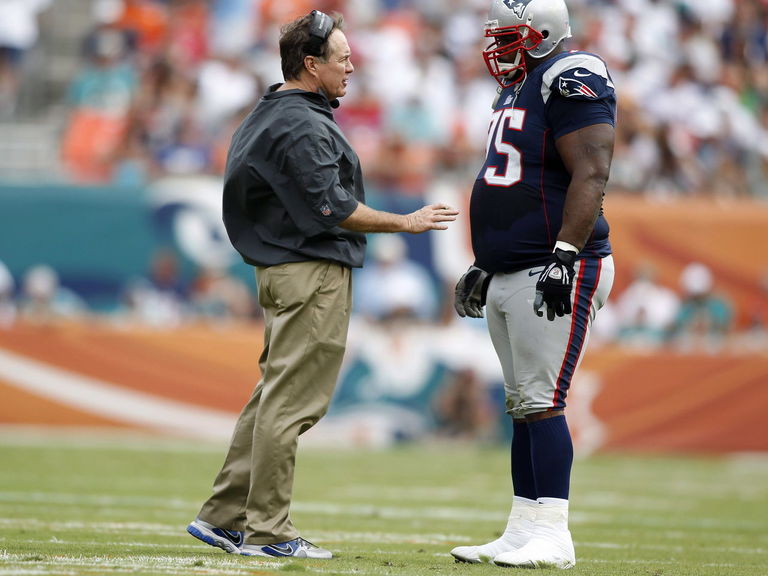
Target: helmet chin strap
{"type": "Point", "coordinates": [509, 70]}
{"type": "Point", "coordinates": [511, 77]}
{"type": "Point", "coordinates": [506, 67]}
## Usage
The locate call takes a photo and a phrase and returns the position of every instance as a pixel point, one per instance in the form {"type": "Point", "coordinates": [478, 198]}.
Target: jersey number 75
{"type": "Point", "coordinates": [511, 172]}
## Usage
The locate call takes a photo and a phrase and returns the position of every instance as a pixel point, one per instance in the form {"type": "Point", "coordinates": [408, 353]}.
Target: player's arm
{"type": "Point", "coordinates": [587, 154]}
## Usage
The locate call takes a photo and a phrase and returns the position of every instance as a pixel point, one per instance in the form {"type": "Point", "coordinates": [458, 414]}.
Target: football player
{"type": "Point", "coordinates": [543, 264]}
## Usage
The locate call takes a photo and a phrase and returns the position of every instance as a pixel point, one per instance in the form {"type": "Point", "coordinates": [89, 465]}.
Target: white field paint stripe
{"type": "Point", "coordinates": [166, 564]}
{"type": "Point", "coordinates": [84, 567]}
{"type": "Point", "coordinates": [37, 542]}
{"type": "Point", "coordinates": [389, 492]}
{"type": "Point", "coordinates": [110, 401]}
{"type": "Point", "coordinates": [176, 530]}
{"type": "Point", "coordinates": [337, 537]}
{"type": "Point", "coordinates": [35, 572]}
{"type": "Point", "coordinates": [474, 515]}
{"type": "Point", "coordinates": [386, 537]}
{"type": "Point", "coordinates": [389, 512]}
{"type": "Point", "coordinates": [646, 562]}
{"type": "Point", "coordinates": [595, 500]}
{"type": "Point", "coordinates": [374, 571]}
{"type": "Point", "coordinates": [439, 539]}
{"type": "Point", "coordinates": [355, 510]}
{"type": "Point", "coordinates": [76, 525]}
{"type": "Point", "coordinates": [96, 500]}
{"type": "Point", "coordinates": [317, 537]}
{"type": "Point", "coordinates": [171, 564]}
{"type": "Point", "coordinates": [245, 566]}
{"type": "Point", "coordinates": [101, 437]}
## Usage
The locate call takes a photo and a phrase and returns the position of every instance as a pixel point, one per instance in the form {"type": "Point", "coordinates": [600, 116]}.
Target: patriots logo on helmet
{"type": "Point", "coordinates": [517, 7]}
{"type": "Point", "coordinates": [573, 87]}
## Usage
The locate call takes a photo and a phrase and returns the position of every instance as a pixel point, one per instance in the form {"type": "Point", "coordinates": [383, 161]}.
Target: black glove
{"type": "Point", "coordinates": [470, 292]}
{"type": "Point", "coordinates": [554, 285]}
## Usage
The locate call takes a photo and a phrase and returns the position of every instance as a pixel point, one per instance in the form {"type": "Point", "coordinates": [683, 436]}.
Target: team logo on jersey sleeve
{"type": "Point", "coordinates": [572, 86]}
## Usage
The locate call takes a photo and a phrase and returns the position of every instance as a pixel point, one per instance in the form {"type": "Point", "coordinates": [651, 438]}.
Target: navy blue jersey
{"type": "Point", "coordinates": [516, 209]}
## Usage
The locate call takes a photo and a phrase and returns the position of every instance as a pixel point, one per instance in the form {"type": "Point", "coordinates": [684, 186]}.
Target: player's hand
{"type": "Point", "coordinates": [555, 284]}
{"type": "Point", "coordinates": [469, 296]}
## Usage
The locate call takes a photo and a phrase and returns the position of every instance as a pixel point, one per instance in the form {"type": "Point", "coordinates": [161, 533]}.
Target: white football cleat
{"type": "Point", "coordinates": [550, 546]}
{"type": "Point", "coordinates": [541, 552]}
{"type": "Point", "coordinates": [518, 531]}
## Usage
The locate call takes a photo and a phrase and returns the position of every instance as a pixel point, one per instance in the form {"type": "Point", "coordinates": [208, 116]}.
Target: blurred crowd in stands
{"type": "Point", "coordinates": [163, 84]}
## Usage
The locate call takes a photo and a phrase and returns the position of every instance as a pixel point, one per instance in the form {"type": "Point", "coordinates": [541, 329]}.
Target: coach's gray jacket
{"type": "Point", "coordinates": [291, 177]}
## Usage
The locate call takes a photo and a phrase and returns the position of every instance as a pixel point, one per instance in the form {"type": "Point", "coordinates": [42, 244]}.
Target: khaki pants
{"type": "Point", "coordinates": [306, 315]}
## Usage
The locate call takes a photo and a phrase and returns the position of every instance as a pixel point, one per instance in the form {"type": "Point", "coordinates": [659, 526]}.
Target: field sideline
{"type": "Point", "coordinates": [116, 505]}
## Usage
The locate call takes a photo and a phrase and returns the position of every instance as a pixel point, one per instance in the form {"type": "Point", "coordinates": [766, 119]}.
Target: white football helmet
{"type": "Point", "coordinates": [517, 26]}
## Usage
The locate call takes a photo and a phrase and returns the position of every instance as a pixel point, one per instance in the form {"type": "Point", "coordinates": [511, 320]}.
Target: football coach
{"type": "Point", "coordinates": [294, 209]}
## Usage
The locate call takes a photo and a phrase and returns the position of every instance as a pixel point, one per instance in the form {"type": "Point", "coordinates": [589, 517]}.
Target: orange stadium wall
{"type": "Point", "coordinates": [93, 374]}
{"type": "Point", "coordinates": [175, 382]}
{"type": "Point", "coordinates": [728, 236]}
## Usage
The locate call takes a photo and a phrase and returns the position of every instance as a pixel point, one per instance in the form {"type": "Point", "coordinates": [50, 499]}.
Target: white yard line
{"type": "Point", "coordinates": [118, 564]}
{"type": "Point", "coordinates": [383, 512]}
{"type": "Point", "coordinates": [340, 537]}
{"type": "Point", "coordinates": [96, 501]}
{"type": "Point", "coordinates": [76, 438]}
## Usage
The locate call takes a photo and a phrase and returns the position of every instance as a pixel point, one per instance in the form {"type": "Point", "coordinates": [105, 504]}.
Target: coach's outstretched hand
{"type": "Point", "coordinates": [555, 284]}
{"type": "Point", "coordinates": [431, 217]}
{"type": "Point", "coordinates": [470, 292]}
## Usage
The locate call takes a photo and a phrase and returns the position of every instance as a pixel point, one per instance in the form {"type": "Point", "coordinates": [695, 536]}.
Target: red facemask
{"type": "Point", "coordinates": [504, 56]}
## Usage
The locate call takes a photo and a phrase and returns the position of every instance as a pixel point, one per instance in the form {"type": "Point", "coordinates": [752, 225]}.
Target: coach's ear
{"type": "Point", "coordinates": [310, 64]}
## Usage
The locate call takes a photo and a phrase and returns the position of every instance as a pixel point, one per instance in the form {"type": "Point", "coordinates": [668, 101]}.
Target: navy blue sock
{"type": "Point", "coordinates": [522, 465]}
{"type": "Point", "coordinates": [552, 456]}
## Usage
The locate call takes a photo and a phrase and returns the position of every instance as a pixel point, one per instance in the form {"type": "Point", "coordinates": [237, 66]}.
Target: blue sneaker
{"type": "Point", "coordinates": [228, 540]}
{"type": "Point", "coordinates": [296, 548]}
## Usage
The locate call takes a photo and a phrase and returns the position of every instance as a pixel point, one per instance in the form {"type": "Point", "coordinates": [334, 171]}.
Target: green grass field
{"type": "Point", "coordinates": [113, 506]}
